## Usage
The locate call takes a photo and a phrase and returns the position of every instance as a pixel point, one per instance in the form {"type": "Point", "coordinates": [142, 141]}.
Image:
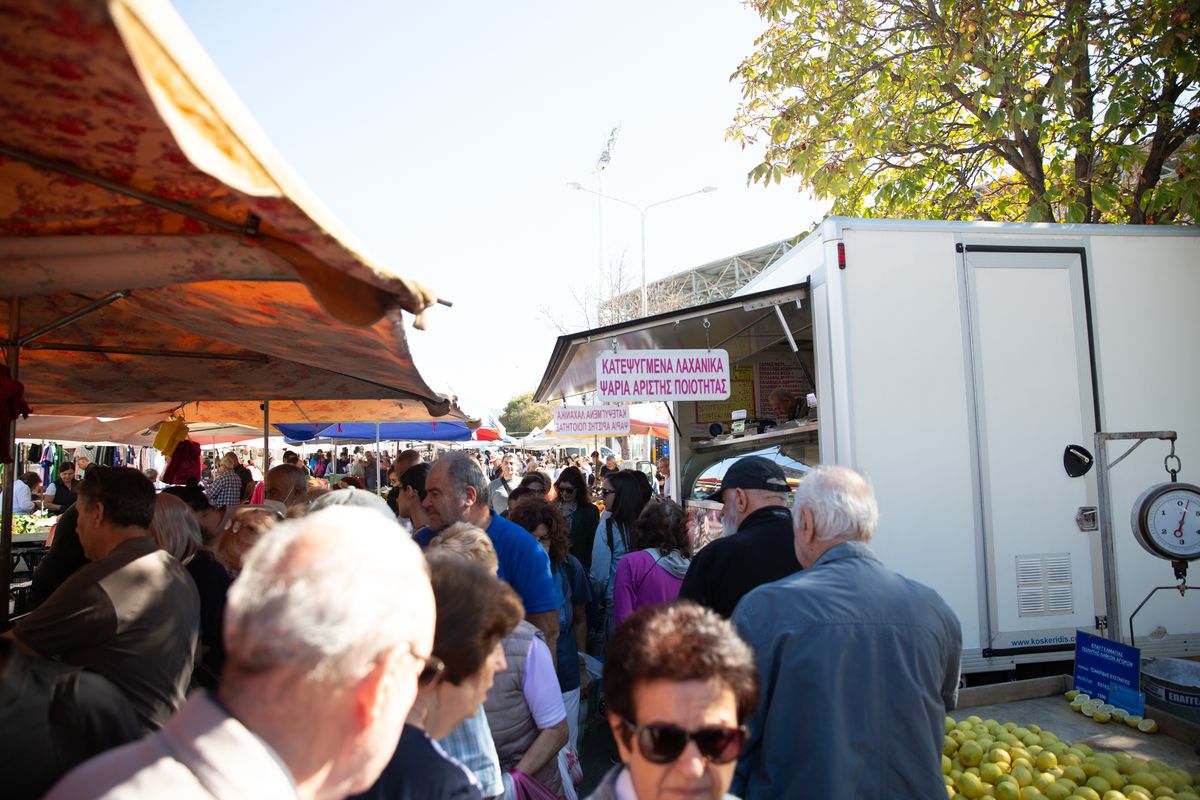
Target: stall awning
{"type": "Point", "coordinates": [435, 431]}
{"type": "Point", "coordinates": [153, 244]}
{"type": "Point", "coordinates": [742, 325]}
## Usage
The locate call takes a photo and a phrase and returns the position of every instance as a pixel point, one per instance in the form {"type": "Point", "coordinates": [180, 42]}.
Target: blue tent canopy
{"type": "Point", "coordinates": [435, 431]}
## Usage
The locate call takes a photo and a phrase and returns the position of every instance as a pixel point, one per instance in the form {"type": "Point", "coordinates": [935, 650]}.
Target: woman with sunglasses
{"type": "Point", "coordinates": [681, 685]}
{"type": "Point", "coordinates": [582, 517]}
{"type": "Point", "coordinates": [625, 494]}
{"type": "Point", "coordinates": [474, 611]}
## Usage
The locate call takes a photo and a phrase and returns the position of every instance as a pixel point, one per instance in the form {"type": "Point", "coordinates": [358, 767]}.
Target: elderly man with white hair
{"type": "Point", "coordinates": [859, 664]}
{"type": "Point", "coordinates": [328, 631]}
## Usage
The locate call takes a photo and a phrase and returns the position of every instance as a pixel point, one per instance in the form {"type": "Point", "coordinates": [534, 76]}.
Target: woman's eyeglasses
{"type": "Point", "coordinates": [662, 744]}
{"type": "Point", "coordinates": [607, 492]}
{"type": "Point", "coordinates": [565, 489]}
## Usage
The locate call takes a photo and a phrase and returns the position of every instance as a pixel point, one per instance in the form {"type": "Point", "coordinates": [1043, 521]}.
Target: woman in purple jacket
{"type": "Point", "coordinates": [659, 554]}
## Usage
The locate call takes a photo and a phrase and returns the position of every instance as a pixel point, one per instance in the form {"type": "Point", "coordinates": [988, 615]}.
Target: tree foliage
{"type": "Point", "coordinates": [521, 414]}
{"type": "Point", "coordinates": [1067, 111]}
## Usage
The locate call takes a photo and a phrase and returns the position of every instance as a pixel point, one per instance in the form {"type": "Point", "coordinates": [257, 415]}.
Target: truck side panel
{"type": "Point", "coordinates": [1147, 314]}
{"type": "Point", "coordinates": [908, 423]}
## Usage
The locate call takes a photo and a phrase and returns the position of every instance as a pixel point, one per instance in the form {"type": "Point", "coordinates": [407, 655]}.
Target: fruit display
{"type": "Point", "coordinates": [986, 758]}
{"type": "Point", "coordinates": [1102, 712]}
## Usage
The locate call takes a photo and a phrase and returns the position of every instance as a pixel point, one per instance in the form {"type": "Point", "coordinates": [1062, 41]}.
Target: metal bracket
{"type": "Point", "coordinates": [1104, 509]}
{"type": "Point", "coordinates": [1087, 518]}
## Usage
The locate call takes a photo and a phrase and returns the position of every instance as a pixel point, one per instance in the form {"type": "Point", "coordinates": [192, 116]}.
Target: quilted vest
{"type": "Point", "coordinates": [512, 724]}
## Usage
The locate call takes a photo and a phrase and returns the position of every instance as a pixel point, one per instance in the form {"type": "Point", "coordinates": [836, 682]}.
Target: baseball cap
{"type": "Point", "coordinates": [752, 472]}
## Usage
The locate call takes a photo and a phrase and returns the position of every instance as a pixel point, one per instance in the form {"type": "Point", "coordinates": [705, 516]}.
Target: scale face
{"type": "Point", "coordinates": [1166, 521]}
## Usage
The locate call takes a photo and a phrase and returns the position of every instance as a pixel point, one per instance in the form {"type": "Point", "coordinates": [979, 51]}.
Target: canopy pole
{"type": "Point", "coordinates": [10, 470]}
{"type": "Point", "coordinates": [266, 437]}
{"type": "Point", "coordinates": [376, 467]}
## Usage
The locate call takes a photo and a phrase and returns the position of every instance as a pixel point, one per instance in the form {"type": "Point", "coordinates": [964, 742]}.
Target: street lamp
{"type": "Point", "coordinates": [642, 211]}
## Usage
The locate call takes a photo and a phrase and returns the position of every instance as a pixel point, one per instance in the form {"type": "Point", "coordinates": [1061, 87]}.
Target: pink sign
{"type": "Point", "coordinates": [646, 376]}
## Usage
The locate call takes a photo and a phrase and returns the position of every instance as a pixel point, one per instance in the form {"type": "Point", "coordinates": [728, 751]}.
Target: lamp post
{"type": "Point", "coordinates": [642, 212]}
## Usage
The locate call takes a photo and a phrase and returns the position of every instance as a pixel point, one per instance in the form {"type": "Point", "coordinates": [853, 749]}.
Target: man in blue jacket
{"type": "Point", "coordinates": [859, 665]}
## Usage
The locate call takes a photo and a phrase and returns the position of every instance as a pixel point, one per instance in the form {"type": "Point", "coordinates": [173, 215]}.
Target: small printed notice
{"type": "Point", "coordinates": [1108, 669]}
{"type": "Point", "coordinates": [591, 420]}
{"type": "Point", "coordinates": [644, 376]}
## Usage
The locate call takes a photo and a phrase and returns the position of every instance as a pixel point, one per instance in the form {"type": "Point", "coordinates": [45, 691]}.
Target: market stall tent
{"type": "Point", "coordinates": [153, 246]}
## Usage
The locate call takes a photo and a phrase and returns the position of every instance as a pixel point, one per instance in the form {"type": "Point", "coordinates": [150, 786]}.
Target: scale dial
{"type": "Point", "coordinates": [1166, 521]}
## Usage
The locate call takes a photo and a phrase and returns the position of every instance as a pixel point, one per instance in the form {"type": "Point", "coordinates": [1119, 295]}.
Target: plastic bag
{"type": "Point", "coordinates": [170, 434]}
{"type": "Point", "coordinates": [530, 788]}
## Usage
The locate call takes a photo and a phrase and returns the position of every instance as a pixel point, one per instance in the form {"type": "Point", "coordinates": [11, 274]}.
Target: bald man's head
{"type": "Point", "coordinates": [286, 484]}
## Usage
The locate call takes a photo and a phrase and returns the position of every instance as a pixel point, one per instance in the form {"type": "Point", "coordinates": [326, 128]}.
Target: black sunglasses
{"type": "Point", "coordinates": [565, 489]}
{"type": "Point", "coordinates": [662, 744]}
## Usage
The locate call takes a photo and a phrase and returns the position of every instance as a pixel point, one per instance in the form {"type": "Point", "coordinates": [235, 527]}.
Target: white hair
{"type": "Point", "coordinates": [841, 501]}
{"type": "Point", "coordinates": [326, 596]}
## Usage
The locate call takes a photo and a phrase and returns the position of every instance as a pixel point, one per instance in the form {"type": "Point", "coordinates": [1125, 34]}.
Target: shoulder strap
{"type": "Point", "coordinates": [608, 533]}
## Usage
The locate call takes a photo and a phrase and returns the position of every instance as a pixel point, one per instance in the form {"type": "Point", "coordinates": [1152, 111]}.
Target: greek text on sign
{"type": "Point", "coordinates": [653, 375]}
{"type": "Point", "coordinates": [591, 420]}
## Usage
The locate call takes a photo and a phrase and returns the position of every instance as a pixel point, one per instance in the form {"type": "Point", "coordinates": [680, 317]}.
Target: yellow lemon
{"type": "Point", "coordinates": [970, 754]}
{"type": "Point", "coordinates": [1008, 790]}
{"type": "Point", "coordinates": [1146, 780]}
{"type": "Point", "coordinates": [970, 785]}
{"type": "Point", "coordinates": [1147, 725]}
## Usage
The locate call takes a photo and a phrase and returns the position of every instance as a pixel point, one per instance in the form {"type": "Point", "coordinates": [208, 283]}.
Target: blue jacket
{"type": "Point", "coordinates": [859, 666]}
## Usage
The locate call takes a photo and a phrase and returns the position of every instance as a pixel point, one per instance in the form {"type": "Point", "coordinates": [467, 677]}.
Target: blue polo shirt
{"type": "Point", "coordinates": [524, 565]}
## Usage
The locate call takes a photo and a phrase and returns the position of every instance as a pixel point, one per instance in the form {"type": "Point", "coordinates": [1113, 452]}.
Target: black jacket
{"type": "Point", "coordinates": [762, 551]}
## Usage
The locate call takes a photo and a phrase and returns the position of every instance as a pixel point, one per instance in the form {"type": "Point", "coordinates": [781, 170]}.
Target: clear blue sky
{"type": "Point", "coordinates": [444, 134]}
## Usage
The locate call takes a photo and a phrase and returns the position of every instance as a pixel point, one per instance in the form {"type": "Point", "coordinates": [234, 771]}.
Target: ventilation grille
{"type": "Point", "coordinates": [1044, 585]}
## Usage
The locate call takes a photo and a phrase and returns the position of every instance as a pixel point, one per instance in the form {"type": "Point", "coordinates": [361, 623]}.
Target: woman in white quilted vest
{"type": "Point", "coordinates": [526, 713]}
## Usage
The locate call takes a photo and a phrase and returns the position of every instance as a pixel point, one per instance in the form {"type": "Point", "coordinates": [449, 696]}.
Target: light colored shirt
{"type": "Point", "coordinates": [540, 686]}
{"type": "Point", "coordinates": [874, 656]}
{"type": "Point", "coordinates": [22, 498]}
{"type": "Point", "coordinates": [498, 492]}
{"type": "Point", "coordinates": [201, 753]}
{"type": "Point", "coordinates": [471, 745]}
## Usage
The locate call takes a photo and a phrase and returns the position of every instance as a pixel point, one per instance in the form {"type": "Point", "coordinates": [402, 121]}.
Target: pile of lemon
{"type": "Point", "coordinates": [984, 758]}
{"type": "Point", "coordinates": [1102, 712]}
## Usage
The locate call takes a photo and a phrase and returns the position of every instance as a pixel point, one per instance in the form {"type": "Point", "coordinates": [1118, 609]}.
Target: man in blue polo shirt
{"type": "Point", "coordinates": [456, 491]}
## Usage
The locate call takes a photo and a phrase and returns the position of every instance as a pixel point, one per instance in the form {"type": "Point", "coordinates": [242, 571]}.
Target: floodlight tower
{"type": "Point", "coordinates": [601, 164]}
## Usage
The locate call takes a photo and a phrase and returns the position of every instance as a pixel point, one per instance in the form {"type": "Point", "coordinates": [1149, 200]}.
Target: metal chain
{"type": "Point", "coordinates": [707, 325]}
{"type": "Point", "coordinates": [1174, 473]}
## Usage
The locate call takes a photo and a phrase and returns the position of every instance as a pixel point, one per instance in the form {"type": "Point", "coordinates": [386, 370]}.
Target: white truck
{"type": "Point", "coordinates": [954, 364]}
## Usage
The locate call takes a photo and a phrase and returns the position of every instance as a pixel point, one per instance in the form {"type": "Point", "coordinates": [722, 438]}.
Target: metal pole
{"type": "Point", "coordinates": [603, 245]}
{"type": "Point", "coordinates": [376, 467]}
{"type": "Point", "coordinates": [1107, 550]}
{"type": "Point", "coordinates": [10, 470]}
{"type": "Point", "coordinates": [266, 437]}
{"type": "Point", "coordinates": [644, 305]}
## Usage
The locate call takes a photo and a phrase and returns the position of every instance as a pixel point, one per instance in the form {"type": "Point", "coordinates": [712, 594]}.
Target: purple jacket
{"type": "Point", "coordinates": [646, 578]}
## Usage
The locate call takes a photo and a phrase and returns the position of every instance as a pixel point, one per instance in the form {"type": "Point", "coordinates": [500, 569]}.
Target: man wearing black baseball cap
{"type": "Point", "coordinates": [757, 544]}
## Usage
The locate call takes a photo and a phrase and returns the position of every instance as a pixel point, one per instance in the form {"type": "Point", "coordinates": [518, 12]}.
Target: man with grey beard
{"type": "Point", "coordinates": [757, 544]}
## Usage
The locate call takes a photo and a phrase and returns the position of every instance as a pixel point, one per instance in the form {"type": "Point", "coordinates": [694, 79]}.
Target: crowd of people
{"type": "Point", "coordinates": [289, 638]}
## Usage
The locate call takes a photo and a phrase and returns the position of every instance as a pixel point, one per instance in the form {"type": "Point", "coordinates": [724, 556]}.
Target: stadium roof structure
{"type": "Point", "coordinates": [715, 280]}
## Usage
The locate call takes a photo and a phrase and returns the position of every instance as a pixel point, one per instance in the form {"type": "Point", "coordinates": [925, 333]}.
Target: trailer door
{"type": "Point", "coordinates": [1034, 394]}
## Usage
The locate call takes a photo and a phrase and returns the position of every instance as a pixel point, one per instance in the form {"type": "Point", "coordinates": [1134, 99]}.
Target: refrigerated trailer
{"type": "Point", "coordinates": [954, 364]}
